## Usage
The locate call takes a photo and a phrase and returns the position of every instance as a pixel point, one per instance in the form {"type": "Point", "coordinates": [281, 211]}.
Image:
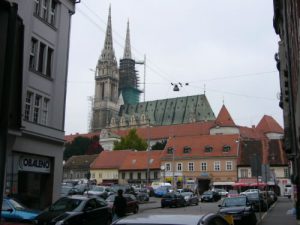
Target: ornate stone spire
{"type": "Point", "coordinates": [108, 50]}
{"type": "Point", "coordinates": [127, 50]}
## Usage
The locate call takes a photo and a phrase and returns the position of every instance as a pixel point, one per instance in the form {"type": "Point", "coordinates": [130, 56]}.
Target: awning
{"type": "Point", "coordinates": [223, 183]}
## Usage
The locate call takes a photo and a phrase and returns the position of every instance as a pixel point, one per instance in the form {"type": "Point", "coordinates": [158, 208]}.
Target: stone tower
{"type": "Point", "coordinates": [128, 85]}
{"type": "Point", "coordinates": [106, 97]}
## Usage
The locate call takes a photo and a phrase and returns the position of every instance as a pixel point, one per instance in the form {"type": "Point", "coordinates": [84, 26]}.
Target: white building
{"type": "Point", "coordinates": [35, 153]}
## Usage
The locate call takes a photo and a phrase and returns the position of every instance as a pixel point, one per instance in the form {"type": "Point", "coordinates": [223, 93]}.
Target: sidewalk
{"type": "Point", "coordinates": [280, 213]}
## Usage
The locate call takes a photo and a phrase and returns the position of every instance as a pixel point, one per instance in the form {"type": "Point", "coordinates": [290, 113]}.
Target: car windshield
{"type": "Point", "coordinates": [98, 188]}
{"type": "Point", "coordinates": [186, 193]}
{"type": "Point", "coordinates": [252, 195]}
{"type": "Point", "coordinates": [207, 193]}
{"type": "Point", "coordinates": [17, 205]}
{"type": "Point", "coordinates": [65, 204]}
{"type": "Point", "coordinates": [110, 198]}
{"type": "Point", "coordinates": [228, 202]}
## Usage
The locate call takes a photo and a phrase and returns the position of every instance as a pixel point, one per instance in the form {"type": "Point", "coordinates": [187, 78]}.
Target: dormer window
{"type": "Point", "coordinates": [226, 148]}
{"type": "Point", "coordinates": [187, 149]}
{"type": "Point", "coordinates": [208, 148]}
{"type": "Point", "coordinates": [170, 150]}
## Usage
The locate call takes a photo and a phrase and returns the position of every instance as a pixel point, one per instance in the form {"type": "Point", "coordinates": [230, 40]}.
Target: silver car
{"type": "Point", "coordinates": [174, 219]}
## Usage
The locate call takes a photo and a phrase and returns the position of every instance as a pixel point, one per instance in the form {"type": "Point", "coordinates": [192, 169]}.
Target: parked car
{"type": "Point", "coordinates": [172, 200]}
{"type": "Point", "coordinates": [13, 210]}
{"type": "Point", "coordinates": [126, 189]}
{"type": "Point", "coordinates": [249, 191]}
{"type": "Point", "coordinates": [161, 191]}
{"type": "Point", "coordinates": [190, 198]}
{"type": "Point", "coordinates": [210, 196]}
{"type": "Point", "coordinates": [233, 193]}
{"type": "Point", "coordinates": [99, 191]}
{"type": "Point", "coordinates": [287, 190]}
{"type": "Point", "coordinates": [132, 203]}
{"type": "Point", "coordinates": [221, 192]}
{"type": "Point", "coordinates": [150, 191]}
{"type": "Point", "coordinates": [68, 190]}
{"type": "Point", "coordinates": [273, 196]}
{"type": "Point", "coordinates": [174, 219]}
{"type": "Point", "coordinates": [257, 200]}
{"type": "Point", "coordinates": [76, 210]}
{"type": "Point", "coordinates": [239, 209]}
{"type": "Point", "coordinates": [142, 195]}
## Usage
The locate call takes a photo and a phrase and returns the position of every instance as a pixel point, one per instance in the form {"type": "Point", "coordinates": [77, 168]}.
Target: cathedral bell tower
{"type": "Point", "coordinates": [105, 104]}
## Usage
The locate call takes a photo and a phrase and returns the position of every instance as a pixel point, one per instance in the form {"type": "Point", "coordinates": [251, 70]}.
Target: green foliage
{"type": "Point", "coordinates": [82, 146]}
{"type": "Point", "coordinates": [131, 141]}
{"type": "Point", "coordinates": [159, 145]}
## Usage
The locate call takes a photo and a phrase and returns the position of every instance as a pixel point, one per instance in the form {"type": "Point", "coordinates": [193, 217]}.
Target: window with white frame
{"type": "Point", "coordinates": [191, 166]}
{"type": "Point", "coordinates": [228, 165]}
{"type": "Point", "coordinates": [41, 57]}
{"type": "Point", "coordinates": [244, 173]}
{"type": "Point", "coordinates": [203, 166]}
{"type": "Point", "coordinates": [217, 165]}
{"type": "Point", "coordinates": [46, 10]}
{"type": "Point", "coordinates": [28, 104]}
{"type": "Point", "coordinates": [286, 172]}
{"type": "Point", "coordinates": [168, 167]}
{"type": "Point", "coordinates": [179, 166]}
{"type": "Point", "coordinates": [36, 108]}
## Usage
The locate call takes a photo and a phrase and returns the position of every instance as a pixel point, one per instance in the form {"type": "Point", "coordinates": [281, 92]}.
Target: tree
{"type": "Point", "coordinates": [131, 141]}
{"type": "Point", "coordinates": [159, 145]}
{"type": "Point", "coordinates": [82, 146]}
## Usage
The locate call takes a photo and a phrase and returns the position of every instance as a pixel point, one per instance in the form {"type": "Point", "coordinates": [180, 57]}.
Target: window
{"type": "Point", "coordinates": [139, 175]}
{"type": "Point", "coordinates": [286, 172]}
{"type": "Point", "coordinates": [36, 108]}
{"type": "Point", "coordinates": [226, 148]}
{"type": "Point", "coordinates": [100, 175]}
{"type": "Point", "coordinates": [191, 166]}
{"type": "Point", "coordinates": [170, 150]}
{"type": "Point", "coordinates": [229, 165]}
{"type": "Point", "coordinates": [45, 111]}
{"type": "Point", "coordinates": [168, 167]}
{"type": "Point", "coordinates": [41, 57]}
{"type": "Point", "coordinates": [131, 175]}
{"type": "Point", "coordinates": [217, 166]}
{"type": "Point", "coordinates": [155, 175]}
{"type": "Point", "coordinates": [244, 173]}
{"type": "Point", "coordinates": [187, 149]}
{"type": "Point", "coordinates": [28, 102]}
{"type": "Point", "coordinates": [33, 52]}
{"type": "Point", "coordinates": [208, 148]}
{"type": "Point", "coordinates": [123, 175]}
{"type": "Point", "coordinates": [179, 166]}
{"type": "Point", "coordinates": [93, 175]}
{"type": "Point", "coordinates": [203, 166]}
{"type": "Point", "coordinates": [46, 10]}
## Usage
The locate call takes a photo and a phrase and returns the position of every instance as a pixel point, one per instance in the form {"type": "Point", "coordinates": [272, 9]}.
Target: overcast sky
{"type": "Point", "coordinates": [223, 48]}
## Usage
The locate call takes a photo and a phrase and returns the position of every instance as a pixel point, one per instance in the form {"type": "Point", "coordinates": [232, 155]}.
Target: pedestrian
{"type": "Point", "coordinates": [120, 205]}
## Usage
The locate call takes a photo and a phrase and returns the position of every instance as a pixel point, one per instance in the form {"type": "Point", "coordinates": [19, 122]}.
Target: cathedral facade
{"type": "Point", "coordinates": [116, 102]}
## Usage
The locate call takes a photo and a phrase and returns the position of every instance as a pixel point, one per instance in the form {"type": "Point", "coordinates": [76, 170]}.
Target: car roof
{"type": "Point", "coordinates": [80, 197]}
{"type": "Point", "coordinates": [173, 219]}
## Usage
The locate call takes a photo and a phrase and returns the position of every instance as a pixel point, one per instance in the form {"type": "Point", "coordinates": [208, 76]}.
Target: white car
{"type": "Point", "coordinates": [249, 191]}
{"type": "Point", "coordinates": [99, 191]}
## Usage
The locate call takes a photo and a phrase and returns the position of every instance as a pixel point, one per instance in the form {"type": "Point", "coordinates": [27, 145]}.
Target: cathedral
{"type": "Point", "coordinates": [116, 102]}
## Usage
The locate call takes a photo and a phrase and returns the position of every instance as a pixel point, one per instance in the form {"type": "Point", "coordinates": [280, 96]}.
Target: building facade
{"type": "Point", "coordinates": [35, 152]}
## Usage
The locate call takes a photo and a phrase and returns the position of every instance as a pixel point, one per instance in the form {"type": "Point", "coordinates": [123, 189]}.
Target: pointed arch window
{"type": "Point", "coordinates": [208, 148]}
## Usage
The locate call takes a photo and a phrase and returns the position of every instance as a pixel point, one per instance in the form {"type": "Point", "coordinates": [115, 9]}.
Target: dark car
{"type": "Point", "coordinates": [13, 210]}
{"type": "Point", "coordinates": [161, 191]}
{"type": "Point", "coordinates": [132, 203]}
{"type": "Point", "coordinates": [190, 198]}
{"type": "Point", "coordinates": [142, 195]}
{"type": "Point", "coordinates": [210, 196]}
{"type": "Point", "coordinates": [126, 189]}
{"type": "Point", "coordinates": [239, 209]}
{"type": "Point", "coordinates": [273, 196]}
{"type": "Point", "coordinates": [76, 210]}
{"type": "Point", "coordinates": [172, 200]}
{"type": "Point", "coordinates": [174, 219]}
{"type": "Point", "coordinates": [258, 201]}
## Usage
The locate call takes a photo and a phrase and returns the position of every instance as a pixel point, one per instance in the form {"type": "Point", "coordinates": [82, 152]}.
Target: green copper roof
{"type": "Point", "coordinates": [172, 111]}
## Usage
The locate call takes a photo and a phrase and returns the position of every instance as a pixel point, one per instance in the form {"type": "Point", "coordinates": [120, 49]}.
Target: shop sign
{"type": "Point", "coordinates": [34, 164]}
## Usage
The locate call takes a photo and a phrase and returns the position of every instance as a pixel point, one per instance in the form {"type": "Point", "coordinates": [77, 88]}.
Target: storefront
{"type": "Point", "coordinates": [31, 180]}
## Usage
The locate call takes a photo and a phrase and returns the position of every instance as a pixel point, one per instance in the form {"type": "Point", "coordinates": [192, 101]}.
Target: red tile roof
{"type": "Point", "coordinates": [139, 160]}
{"type": "Point", "coordinates": [268, 125]}
{"type": "Point", "coordinates": [224, 119]}
{"type": "Point", "coordinates": [110, 159]}
{"type": "Point", "coordinates": [198, 144]}
{"type": "Point", "coordinates": [164, 132]}
{"type": "Point", "coordinates": [69, 138]}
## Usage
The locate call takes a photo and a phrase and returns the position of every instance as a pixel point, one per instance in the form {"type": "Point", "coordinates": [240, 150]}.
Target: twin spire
{"type": "Point", "coordinates": [108, 50]}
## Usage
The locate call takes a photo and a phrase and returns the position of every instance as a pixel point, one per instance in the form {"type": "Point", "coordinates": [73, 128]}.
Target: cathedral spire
{"type": "Point", "coordinates": [108, 50]}
{"type": "Point", "coordinates": [127, 50]}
